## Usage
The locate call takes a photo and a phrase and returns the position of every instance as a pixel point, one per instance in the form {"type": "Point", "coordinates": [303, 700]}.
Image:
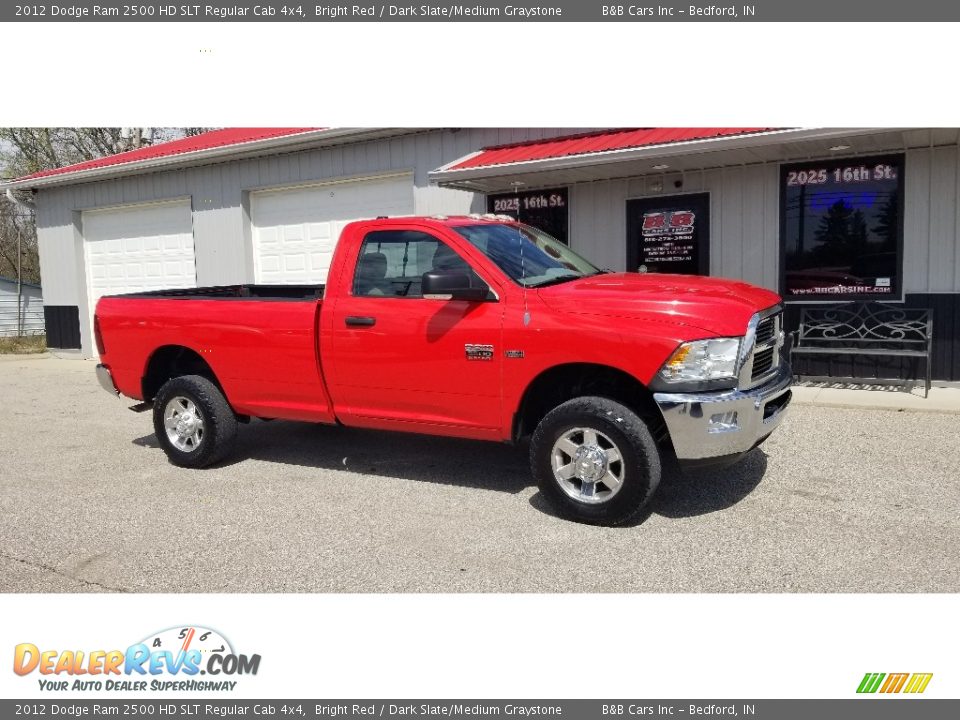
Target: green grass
{"type": "Point", "coordinates": [23, 345]}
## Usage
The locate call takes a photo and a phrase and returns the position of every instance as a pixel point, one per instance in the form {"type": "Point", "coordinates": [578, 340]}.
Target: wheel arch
{"type": "Point", "coordinates": [560, 383]}
{"type": "Point", "coordinates": [170, 361]}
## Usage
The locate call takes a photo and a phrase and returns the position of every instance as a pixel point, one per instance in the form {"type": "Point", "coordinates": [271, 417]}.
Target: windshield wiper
{"type": "Point", "coordinates": [556, 280]}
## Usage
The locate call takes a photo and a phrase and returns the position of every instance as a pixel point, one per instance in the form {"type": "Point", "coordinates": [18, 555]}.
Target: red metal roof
{"type": "Point", "coordinates": [594, 142]}
{"type": "Point", "coordinates": [196, 143]}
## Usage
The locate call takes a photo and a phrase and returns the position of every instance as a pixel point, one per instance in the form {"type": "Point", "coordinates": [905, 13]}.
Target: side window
{"type": "Point", "coordinates": [392, 263]}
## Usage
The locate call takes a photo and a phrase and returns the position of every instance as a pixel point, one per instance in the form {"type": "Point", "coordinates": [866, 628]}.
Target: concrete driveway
{"type": "Point", "coordinates": [839, 500]}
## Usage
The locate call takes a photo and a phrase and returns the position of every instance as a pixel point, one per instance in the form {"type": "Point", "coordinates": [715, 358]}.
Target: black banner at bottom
{"type": "Point", "coordinates": [873, 707]}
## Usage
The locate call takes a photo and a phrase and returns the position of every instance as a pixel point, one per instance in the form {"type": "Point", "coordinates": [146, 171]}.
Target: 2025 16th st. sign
{"type": "Point", "coordinates": [842, 225]}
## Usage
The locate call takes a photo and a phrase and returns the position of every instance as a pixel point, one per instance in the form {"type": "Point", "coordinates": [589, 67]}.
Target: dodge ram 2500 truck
{"type": "Point", "coordinates": [474, 327]}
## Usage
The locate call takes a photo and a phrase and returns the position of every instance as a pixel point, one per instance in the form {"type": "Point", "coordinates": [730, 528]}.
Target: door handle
{"type": "Point", "coordinates": [360, 321]}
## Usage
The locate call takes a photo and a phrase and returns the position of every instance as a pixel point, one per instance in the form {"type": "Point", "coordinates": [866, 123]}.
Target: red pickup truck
{"type": "Point", "coordinates": [475, 327]}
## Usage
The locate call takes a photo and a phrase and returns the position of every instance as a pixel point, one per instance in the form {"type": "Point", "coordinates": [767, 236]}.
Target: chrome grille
{"type": "Point", "coordinates": [762, 362]}
{"type": "Point", "coordinates": [766, 346]}
{"type": "Point", "coordinates": [766, 330]}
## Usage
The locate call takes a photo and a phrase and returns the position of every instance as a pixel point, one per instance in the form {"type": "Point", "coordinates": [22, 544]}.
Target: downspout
{"type": "Point", "coordinates": [19, 287]}
{"type": "Point", "coordinates": [30, 207]}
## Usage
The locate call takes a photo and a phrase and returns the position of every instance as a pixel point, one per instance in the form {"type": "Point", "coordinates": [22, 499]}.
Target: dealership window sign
{"type": "Point", "coordinates": [842, 228]}
{"type": "Point", "coordinates": [669, 234]}
{"type": "Point", "coordinates": [544, 209]}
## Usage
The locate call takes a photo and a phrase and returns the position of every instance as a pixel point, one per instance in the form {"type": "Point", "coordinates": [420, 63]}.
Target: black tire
{"type": "Point", "coordinates": [639, 472]}
{"type": "Point", "coordinates": [219, 421]}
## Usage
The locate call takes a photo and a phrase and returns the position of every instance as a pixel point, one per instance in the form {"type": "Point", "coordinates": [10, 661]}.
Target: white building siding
{"type": "Point", "coordinates": [931, 262]}
{"type": "Point", "coordinates": [744, 224]}
{"type": "Point", "coordinates": [745, 219]}
{"type": "Point", "coordinates": [598, 222]}
{"type": "Point", "coordinates": [59, 263]}
{"type": "Point", "coordinates": [31, 309]}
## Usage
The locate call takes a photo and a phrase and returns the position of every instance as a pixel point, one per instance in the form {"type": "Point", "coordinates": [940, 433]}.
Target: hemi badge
{"type": "Point", "coordinates": [479, 352]}
{"type": "Point", "coordinates": [514, 353]}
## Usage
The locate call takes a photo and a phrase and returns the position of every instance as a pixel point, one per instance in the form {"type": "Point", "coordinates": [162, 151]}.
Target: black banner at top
{"type": "Point", "coordinates": [546, 11]}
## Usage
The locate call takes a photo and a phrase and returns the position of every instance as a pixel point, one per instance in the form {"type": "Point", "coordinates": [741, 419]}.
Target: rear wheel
{"type": "Point", "coordinates": [193, 421]}
{"type": "Point", "coordinates": [595, 461]}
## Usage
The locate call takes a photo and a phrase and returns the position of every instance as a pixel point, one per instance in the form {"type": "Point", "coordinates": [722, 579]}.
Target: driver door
{"type": "Point", "coordinates": [399, 360]}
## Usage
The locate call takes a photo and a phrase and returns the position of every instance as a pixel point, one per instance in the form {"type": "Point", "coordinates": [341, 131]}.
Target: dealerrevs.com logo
{"type": "Point", "coordinates": [172, 659]}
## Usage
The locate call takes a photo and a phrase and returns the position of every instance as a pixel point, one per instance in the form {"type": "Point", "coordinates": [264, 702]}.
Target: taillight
{"type": "Point", "coordinates": [97, 336]}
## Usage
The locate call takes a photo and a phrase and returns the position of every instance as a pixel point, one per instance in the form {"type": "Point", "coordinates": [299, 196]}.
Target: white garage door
{"type": "Point", "coordinates": [295, 231]}
{"type": "Point", "coordinates": [137, 248]}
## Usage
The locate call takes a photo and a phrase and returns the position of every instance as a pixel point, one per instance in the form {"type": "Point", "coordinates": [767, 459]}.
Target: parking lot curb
{"type": "Point", "coordinates": [941, 400]}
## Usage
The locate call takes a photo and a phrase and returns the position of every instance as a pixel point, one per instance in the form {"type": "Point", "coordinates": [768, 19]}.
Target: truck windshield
{"type": "Point", "coordinates": [528, 256]}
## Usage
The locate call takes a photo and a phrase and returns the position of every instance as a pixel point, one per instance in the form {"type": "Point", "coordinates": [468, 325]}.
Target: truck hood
{"type": "Point", "coordinates": [717, 306]}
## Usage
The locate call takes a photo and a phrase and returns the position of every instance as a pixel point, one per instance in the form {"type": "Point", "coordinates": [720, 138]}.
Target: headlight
{"type": "Point", "coordinates": [702, 361]}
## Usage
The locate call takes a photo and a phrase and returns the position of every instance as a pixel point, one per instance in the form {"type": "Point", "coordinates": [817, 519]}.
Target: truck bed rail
{"type": "Point", "coordinates": [235, 292]}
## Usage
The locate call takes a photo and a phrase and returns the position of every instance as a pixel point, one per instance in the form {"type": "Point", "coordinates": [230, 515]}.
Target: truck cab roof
{"type": "Point", "coordinates": [445, 220]}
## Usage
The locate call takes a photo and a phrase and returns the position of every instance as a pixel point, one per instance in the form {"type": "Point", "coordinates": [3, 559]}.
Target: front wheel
{"type": "Point", "coordinates": [194, 423]}
{"type": "Point", "coordinates": [595, 461]}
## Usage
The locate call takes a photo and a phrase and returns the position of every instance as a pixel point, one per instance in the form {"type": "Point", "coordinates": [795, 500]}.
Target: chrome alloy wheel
{"type": "Point", "coordinates": [184, 424]}
{"type": "Point", "coordinates": [587, 465]}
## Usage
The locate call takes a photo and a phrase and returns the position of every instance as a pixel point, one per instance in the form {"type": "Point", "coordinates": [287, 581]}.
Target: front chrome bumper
{"type": "Point", "coordinates": [106, 380]}
{"type": "Point", "coordinates": [729, 422]}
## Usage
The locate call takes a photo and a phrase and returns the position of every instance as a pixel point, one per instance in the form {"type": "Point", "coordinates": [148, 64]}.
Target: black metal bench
{"type": "Point", "coordinates": [866, 329]}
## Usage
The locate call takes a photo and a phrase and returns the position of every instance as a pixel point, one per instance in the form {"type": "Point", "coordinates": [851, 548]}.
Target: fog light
{"type": "Point", "coordinates": [723, 422]}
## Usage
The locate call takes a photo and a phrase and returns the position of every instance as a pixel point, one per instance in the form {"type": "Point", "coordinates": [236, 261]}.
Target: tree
{"type": "Point", "coordinates": [840, 234]}
{"type": "Point", "coordinates": [858, 232]}
{"type": "Point", "coordinates": [28, 150]}
{"type": "Point", "coordinates": [16, 224]}
{"type": "Point", "coordinates": [888, 223]}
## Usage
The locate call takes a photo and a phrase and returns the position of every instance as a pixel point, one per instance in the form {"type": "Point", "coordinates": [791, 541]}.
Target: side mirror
{"type": "Point", "coordinates": [451, 285]}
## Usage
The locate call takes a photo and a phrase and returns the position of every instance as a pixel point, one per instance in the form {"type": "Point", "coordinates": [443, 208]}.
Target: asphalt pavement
{"type": "Point", "coordinates": [838, 500]}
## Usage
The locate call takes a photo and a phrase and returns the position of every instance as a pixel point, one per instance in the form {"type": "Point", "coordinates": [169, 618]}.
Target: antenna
{"type": "Point", "coordinates": [516, 185]}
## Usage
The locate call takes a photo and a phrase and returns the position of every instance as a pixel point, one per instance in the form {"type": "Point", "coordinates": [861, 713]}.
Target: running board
{"type": "Point", "coordinates": [141, 407]}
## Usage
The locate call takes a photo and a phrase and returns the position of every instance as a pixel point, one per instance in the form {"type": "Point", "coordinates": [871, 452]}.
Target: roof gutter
{"type": "Point", "coordinates": [449, 176]}
{"type": "Point", "coordinates": [191, 158]}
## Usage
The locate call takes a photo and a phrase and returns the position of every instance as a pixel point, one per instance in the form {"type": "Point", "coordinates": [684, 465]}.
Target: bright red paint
{"type": "Point", "coordinates": [595, 142]}
{"type": "Point", "coordinates": [298, 360]}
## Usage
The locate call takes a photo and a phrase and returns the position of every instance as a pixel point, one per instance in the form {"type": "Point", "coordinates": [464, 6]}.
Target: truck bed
{"type": "Point", "coordinates": [259, 341]}
{"type": "Point", "coordinates": [234, 292]}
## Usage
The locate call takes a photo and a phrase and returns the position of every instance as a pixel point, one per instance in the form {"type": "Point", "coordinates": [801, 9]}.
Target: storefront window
{"type": "Point", "coordinates": [543, 209]}
{"type": "Point", "coordinates": [669, 234]}
{"type": "Point", "coordinates": [842, 228]}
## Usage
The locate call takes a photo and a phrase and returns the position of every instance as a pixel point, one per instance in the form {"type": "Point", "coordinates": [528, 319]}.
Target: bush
{"type": "Point", "coordinates": [23, 344]}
